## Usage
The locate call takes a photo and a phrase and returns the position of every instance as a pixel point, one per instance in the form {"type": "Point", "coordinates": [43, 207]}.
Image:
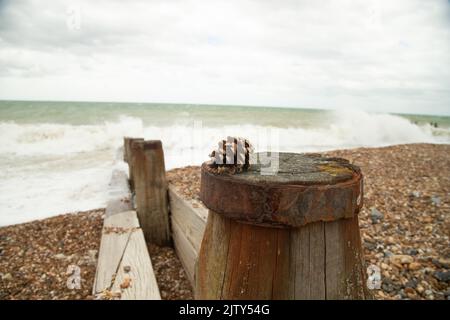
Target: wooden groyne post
{"type": "Point", "coordinates": [128, 157]}
{"type": "Point", "coordinates": [148, 182]}
{"type": "Point", "coordinates": [291, 235]}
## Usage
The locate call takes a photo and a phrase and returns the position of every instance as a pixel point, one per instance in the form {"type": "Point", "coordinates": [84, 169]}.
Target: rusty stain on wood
{"type": "Point", "coordinates": [301, 192]}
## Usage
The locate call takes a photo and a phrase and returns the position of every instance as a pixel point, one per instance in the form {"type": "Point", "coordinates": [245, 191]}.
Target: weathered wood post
{"type": "Point", "coordinates": [150, 186]}
{"type": "Point", "coordinates": [292, 235]}
{"type": "Point", "coordinates": [128, 157]}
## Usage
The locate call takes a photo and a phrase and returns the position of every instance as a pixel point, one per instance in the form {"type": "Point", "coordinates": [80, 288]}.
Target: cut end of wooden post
{"type": "Point", "coordinates": [152, 145]}
{"type": "Point", "coordinates": [305, 188]}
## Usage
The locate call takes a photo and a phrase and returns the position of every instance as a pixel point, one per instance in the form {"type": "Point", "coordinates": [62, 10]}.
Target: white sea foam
{"type": "Point", "coordinates": [47, 169]}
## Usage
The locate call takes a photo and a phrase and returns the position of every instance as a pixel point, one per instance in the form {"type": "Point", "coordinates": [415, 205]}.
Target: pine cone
{"type": "Point", "coordinates": [232, 155]}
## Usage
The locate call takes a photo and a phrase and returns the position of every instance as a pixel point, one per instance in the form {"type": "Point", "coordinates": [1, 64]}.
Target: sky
{"type": "Point", "coordinates": [387, 56]}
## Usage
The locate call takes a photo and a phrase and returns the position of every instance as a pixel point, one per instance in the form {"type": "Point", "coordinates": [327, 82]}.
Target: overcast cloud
{"type": "Point", "coordinates": [375, 55]}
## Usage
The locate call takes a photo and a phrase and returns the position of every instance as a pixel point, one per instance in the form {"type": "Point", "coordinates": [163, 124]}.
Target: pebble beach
{"type": "Point", "coordinates": [405, 221]}
{"type": "Point", "coordinates": [405, 224]}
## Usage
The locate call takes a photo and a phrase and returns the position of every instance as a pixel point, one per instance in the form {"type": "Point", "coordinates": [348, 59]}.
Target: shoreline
{"type": "Point", "coordinates": [404, 223]}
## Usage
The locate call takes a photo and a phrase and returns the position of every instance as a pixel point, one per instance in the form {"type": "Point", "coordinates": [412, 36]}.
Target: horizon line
{"type": "Point", "coordinates": [224, 105]}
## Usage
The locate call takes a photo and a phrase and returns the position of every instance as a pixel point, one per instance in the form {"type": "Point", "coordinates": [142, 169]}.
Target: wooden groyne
{"type": "Point", "coordinates": [291, 235]}
{"type": "Point", "coordinates": [124, 269]}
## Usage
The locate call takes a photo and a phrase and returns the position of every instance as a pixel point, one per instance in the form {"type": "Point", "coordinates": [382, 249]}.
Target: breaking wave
{"type": "Point", "coordinates": [51, 168]}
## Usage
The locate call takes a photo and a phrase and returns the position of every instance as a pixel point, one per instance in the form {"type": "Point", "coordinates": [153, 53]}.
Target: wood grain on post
{"type": "Point", "coordinates": [291, 235]}
{"type": "Point", "coordinates": [128, 157]}
{"type": "Point", "coordinates": [150, 187]}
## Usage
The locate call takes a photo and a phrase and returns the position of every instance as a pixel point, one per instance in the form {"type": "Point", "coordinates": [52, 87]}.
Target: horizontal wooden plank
{"type": "Point", "coordinates": [188, 227]}
{"type": "Point", "coordinates": [112, 245]}
{"type": "Point", "coordinates": [123, 244]}
{"type": "Point", "coordinates": [119, 195]}
{"type": "Point", "coordinates": [191, 220]}
{"type": "Point", "coordinates": [135, 277]}
{"type": "Point", "coordinates": [116, 232]}
{"type": "Point", "coordinates": [127, 219]}
{"type": "Point", "coordinates": [185, 251]}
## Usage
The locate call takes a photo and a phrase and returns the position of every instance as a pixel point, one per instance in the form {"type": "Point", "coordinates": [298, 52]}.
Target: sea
{"type": "Point", "coordinates": [57, 157]}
